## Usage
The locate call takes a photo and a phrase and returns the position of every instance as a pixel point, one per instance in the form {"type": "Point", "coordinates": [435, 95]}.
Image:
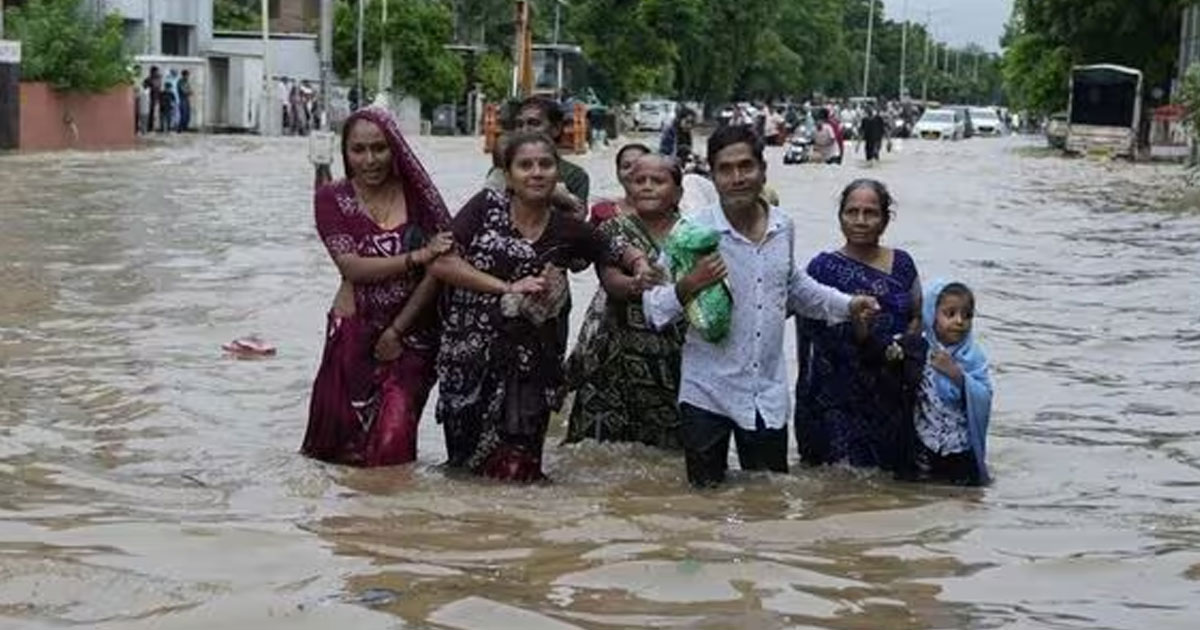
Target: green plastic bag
{"type": "Point", "coordinates": [709, 312]}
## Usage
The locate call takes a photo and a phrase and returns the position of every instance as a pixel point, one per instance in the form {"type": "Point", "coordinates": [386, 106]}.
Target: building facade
{"type": "Point", "coordinates": [294, 16]}
{"type": "Point", "coordinates": [178, 28]}
{"type": "Point", "coordinates": [1189, 39]}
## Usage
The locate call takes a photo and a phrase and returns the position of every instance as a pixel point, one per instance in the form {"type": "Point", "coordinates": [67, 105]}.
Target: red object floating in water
{"type": "Point", "coordinates": [249, 348]}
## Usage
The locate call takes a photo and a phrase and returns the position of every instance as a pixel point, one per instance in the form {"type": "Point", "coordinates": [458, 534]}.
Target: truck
{"type": "Point", "coordinates": [1105, 110]}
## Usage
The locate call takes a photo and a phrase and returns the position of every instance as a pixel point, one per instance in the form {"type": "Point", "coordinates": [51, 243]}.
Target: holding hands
{"type": "Point", "coordinates": [441, 243]}
{"type": "Point", "coordinates": [707, 272]}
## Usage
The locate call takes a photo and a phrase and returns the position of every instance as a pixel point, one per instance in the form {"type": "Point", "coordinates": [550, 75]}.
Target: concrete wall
{"type": "Point", "coordinates": [294, 56]}
{"type": "Point", "coordinates": [197, 14]}
{"type": "Point", "coordinates": [52, 120]}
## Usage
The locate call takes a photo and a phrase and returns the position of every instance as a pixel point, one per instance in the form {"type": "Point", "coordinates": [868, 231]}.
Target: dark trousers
{"type": "Point", "coordinates": [705, 438]}
{"type": "Point", "coordinates": [185, 115]}
{"type": "Point", "coordinates": [873, 149]}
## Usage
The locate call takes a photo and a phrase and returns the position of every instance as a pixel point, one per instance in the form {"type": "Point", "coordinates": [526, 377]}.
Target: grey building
{"type": "Point", "coordinates": [1189, 39]}
{"type": "Point", "coordinates": [177, 28]}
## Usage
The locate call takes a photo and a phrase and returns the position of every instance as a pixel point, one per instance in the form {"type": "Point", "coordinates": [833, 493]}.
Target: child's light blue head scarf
{"type": "Point", "coordinates": [977, 384]}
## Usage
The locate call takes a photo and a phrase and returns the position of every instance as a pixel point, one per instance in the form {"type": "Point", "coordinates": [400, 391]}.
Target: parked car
{"type": "Point", "coordinates": [940, 124]}
{"type": "Point", "coordinates": [653, 115]}
{"type": "Point", "coordinates": [986, 122]}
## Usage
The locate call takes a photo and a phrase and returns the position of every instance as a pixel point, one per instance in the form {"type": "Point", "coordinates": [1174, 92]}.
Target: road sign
{"type": "Point", "coordinates": [10, 51]}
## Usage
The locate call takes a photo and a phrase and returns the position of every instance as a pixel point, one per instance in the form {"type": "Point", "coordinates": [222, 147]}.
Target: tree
{"type": "Point", "coordinates": [1045, 38]}
{"type": "Point", "coordinates": [418, 31]}
{"type": "Point", "coordinates": [715, 50]}
{"type": "Point", "coordinates": [625, 56]}
{"type": "Point", "coordinates": [70, 48]}
{"type": "Point", "coordinates": [493, 71]}
{"type": "Point", "coordinates": [237, 15]}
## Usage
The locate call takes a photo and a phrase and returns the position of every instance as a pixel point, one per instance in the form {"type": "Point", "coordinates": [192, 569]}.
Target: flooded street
{"type": "Point", "coordinates": [147, 481]}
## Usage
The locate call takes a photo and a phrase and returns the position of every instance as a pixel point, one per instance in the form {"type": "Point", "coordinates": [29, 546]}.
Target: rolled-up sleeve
{"type": "Point", "coordinates": [660, 304]}
{"type": "Point", "coordinates": [811, 299]}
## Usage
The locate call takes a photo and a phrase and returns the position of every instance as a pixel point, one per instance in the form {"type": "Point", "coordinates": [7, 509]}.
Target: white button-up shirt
{"type": "Point", "coordinates": [744, 375]}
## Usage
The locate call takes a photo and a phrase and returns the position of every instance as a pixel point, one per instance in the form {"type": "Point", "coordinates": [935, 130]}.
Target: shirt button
{"type": "Point", "coordinates": [760, 280]}
{"type": "Point", "coordinates": [757, 334]}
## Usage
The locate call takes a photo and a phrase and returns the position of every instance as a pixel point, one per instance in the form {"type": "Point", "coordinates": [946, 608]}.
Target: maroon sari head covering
{"type": "Point", "coordinates": [425, 204]}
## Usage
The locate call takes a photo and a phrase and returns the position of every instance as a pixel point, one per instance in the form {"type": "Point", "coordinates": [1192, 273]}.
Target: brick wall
{"type": "Point", "coordinates": [52, 120]}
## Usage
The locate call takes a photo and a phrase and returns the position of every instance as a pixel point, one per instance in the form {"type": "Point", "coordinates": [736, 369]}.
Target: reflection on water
{"type": "Point", "coordinates": [150, 482]}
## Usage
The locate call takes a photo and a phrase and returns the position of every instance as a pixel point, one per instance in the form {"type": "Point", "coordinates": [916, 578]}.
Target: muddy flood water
{"type": "Point", "coordinates": [147, 481]}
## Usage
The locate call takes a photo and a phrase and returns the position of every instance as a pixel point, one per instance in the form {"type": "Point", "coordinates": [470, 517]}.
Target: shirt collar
{"type": "Point", "coordinates": [720, 222]}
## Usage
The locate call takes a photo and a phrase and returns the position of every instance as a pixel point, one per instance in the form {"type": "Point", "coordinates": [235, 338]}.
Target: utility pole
{"type": "Point", "coordinates": [925, 64]}
{"type": "Point", "coordinates": [358, 72]}
{"type": "Point", "coordinates": [904, 55]}
{"type": "Point", "coordinates": [385, 63]}
{"type": "Point", "coordinates": [322, 142]}
{"type": "Point", "coordinates": [326, 58]}
{"type": "Point", "coordinates": [266, 120]}
{"type": "Point", "coordinates": [870, 33]}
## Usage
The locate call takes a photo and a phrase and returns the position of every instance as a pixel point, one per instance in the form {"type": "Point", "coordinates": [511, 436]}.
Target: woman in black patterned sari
{"type": "Point", "coordinates": [625, 374]}
{"type": "Point", "coordinates": [500, 367]}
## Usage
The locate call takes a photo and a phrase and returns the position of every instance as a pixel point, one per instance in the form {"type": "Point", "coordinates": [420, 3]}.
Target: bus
{"type": "Point", "coordinates": [1105, 110]}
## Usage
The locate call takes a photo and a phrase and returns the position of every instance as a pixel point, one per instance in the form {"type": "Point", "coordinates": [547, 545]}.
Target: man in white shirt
{"type": "Point", "coordinates": [740, 385]}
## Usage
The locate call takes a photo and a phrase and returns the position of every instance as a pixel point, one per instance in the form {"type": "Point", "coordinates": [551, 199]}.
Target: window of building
{"type": "Point", "coordinates": [177, 40]}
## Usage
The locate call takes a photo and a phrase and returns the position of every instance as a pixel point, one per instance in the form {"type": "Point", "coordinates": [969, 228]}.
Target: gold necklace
{"type": "Point", "coordinates": [372, 206]}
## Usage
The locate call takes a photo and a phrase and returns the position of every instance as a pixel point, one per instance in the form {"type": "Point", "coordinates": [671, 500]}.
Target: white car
{"type": "Point", "coordinates": [987, 122]}
{"type": "Point", "coordinates": [653, 115]}
{"type": "Point", "coordinates": [941, 124]}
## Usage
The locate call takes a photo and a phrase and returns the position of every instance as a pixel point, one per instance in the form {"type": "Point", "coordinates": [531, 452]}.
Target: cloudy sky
{"type": "Point", "coordinates": [959, 22]}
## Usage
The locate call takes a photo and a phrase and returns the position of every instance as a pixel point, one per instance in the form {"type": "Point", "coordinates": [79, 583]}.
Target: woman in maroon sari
{"type": "Point", "coordinates": [501, 364]}
{"type": "Point", "coordinates": [382, 225]}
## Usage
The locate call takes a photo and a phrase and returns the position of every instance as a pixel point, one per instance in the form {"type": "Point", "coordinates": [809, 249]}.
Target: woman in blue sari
{"type": "Point", "coordinates": [839, 416]}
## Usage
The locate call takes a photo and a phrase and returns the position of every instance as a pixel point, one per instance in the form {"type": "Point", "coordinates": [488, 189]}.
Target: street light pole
{"type": "Point", "coordinates": [385, 63]}
{"type": "Point", "coordinates": [326, 59]}
{"type": "Point", "coordinates": [925, 64]}
{"type": "Point", "coordinates": [904, 55]}
{"type": "Point", "coordinates": [358, 80]}
{"type": "Point", "coordinates": [266, 119]}
{"type": "Point", "coordinates": [870, 33]}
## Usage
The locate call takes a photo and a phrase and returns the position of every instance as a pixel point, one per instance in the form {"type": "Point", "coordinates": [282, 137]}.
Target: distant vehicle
{"type": "Point", "coordinates": [940, 124]}
{"type": "Point", "coordinates": [653, 115]}
{"type": "Point", "coordinates": [968, 123]}
{"type": "Point", "coordinates": [726, 115]}
{"type": "Point", "coordinates": [1105, 109]}
{"type": "Point", "coordinates": [986, 122]}
{"type": "Point", "coordinates": [1056, 130]}
{"type": "Point", "coordinates": [798, 148]}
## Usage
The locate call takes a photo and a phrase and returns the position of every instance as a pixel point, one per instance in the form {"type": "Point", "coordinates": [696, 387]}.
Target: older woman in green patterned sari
{"type": "Point", "coordinates": [624, 373]}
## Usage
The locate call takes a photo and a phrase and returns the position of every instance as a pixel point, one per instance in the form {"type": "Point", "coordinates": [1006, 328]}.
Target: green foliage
{"type": "Point", "coordinates": [1036, 72]}
{"type": "Point", "coordinates": [494, 72]}
{"type": "Point", "coordinates": [715, 51]}
{"type": "Point", "coordinates": [69, 47]}
{"type": "Point", "coordinates": [705, 50]}
{"type": "Point", "coordinates": [1047, 37]}
{"type": "Point", "coordinates": [1189, 96]}
{"type": "Point", "coordinates": [237, 15]}
{"type": "Point", "coordinates": [418, 31]}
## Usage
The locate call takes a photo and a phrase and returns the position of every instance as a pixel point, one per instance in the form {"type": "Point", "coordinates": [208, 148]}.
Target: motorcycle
{"type": "Point", "coordinates": [798, 149]}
